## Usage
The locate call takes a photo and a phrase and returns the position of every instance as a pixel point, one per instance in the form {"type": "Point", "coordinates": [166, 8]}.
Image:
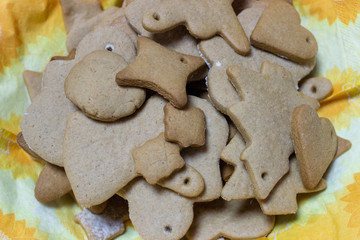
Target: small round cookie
{"type": "Point", "coordinates": [110, 38]}
{"type": "Point", "coordinates": [91, 86]}
{"type": "Point", "coordinates": [317, 87]}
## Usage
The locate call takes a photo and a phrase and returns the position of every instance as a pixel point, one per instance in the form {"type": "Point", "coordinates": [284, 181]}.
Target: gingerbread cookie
{"type": "Point", "coordinates": [157, 159]}
{"type": "Point", "coordinates": [315, 144]}
{"type": "Point", "coordinates": [187, 182]}
{"type": "Point", "coordinates": [234, 220]}
{"type": "Point", "coordinates": [317, 87]}
{"type": "Point", "coordinates": [238, 186]}
{"type": "Point", "coordinates": [75, 11]}
{"type": "Point", "coordinates": [97, 209]}
{"type": "Point", "coordinates": [221, 91]}
{"type": "Point", "coordinates": [108, 224]}
{"type": "Point", "coordinates": [51, 184]}
{"type": "Point", "coordinates": [33, 83]}
{"type": "Point", "coordinates": [152, 208]}
{"type": "Point", "coordinates": [171, 75]}
{"type": "Point", "coordinates": [206, 159]}
{"type": "Point", "coordinates": [21, 142]}
{"type": "Point", "coordinates": [52, 107]}
{"type": "Point", "coordinates": [269, 98]}
{"type": "Point", "coordinates": [282, 199]}
{"type": "Point", "coordinates": [185, 127]}
{"type": "Point", "coordinates": [70, 56]}
{"type": "Point", "coordinates": [343, 145]}
{"type": "Point", "coordinates": [91, 86]}
{"type": "Point", "coordinates": [177, 39]}
{"type": "Point", "coordinates": [108, 156]}
{"type": "Point", "coordinates": [203, 19]}
{"type": "Point", "coordinates": [279, 31]}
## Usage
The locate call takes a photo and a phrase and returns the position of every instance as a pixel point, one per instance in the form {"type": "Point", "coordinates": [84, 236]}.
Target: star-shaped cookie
{"type": "Point", "coordinates": [157, 159]}
{"type": "Point", "coordinates": [203, 18]}
{"type": "Point", "coordinates": [161, 70]}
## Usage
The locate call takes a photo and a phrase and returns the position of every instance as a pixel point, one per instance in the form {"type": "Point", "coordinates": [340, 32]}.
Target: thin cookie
{"type": "Point", "coordinates": [203, 19]}
{"type": "Point", "coordinates": [106, 225]}
{"type": "Point", "coordinates": [343, 145]}
{"type": "Point", "coordinates": [221, 91]}
{"type": "Point", "coordinates": [269, 98]}
{"type": "Point", "coordinates": [51, 184]}
{"type": "Point", "coordinates": [172, 71]}
{"type": "Point", "coordinates": [185, 127]}
{"type": "Point", "coordinates": [33, 83]}
{"type": "Point", "coordinates": [279, 31]}
{"type": "Point", "coordinates": [315, 144]}
{"type": "Point", "coordinates": [317, 87]}
{"type": "Point", "coordinates": [21, 142]}
{"type": "Point", "coordinates": [152, 208]}
{"type": "Point", "coordinates": [238, 186]}
{"type": "Point", "coordinates": [177, 39]}
{"type": "Point", "coordinates": [157, 159]}
{"type": "Point", "coordinates": [282, 199]}
{"type": "Point", "coordinates": [70, 56]}
{"type": "Point", "coordinates": [75, 11]}
{"type": "Point", "coordinates": [91, 86]}
{"type": "Point", "coordinates": [234, 220]}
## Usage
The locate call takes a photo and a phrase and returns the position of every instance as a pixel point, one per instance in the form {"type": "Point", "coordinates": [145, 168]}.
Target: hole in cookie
{"type": "Point", "coordinates": [167, 229]}
{"type": "Point", "coordinates": [156, 16]}
{"type": "Point", "coordinates": [308, 40]}
{"type": "Point", "coordinates": [109, 47]}
{"type": "Point", "coordinates": [313, 89]}
{"type": "Point", "coordinates": [186, 181]}
{"type": "Point", "coordinates": [264, 176]}
{"type": "Point", "coordinates": [183, 60]}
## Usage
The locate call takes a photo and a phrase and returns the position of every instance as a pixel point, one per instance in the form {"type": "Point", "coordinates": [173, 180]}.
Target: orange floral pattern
{"type": "Point", "coordinates": [12, 229]}
{"type": "Point", "coordinates": [345, 10]}
{"type": "Point", "coordinates": [353, 200]}
{"type": "Point", "coordinates": [343, 104]}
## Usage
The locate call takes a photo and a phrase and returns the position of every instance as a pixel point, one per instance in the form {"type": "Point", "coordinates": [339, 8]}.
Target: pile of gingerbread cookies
{"type": "Point", "coordinates": [191, 118]}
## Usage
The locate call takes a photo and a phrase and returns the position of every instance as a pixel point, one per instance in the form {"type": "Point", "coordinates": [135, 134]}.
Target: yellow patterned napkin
{"type": "Point", "coordinates": [31, 31]}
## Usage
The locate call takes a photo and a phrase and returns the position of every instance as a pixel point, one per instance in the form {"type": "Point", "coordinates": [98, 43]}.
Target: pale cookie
{"type": "Point", "coordinates": [97, 156]}
{"type": "Point", "coordinates": [161, 70]}
{"type": "Point", "coordinates": [51, 184]}
{"type": "Point", "coordinates": [232, 130]}
{"type": "Point", "coordinates": [315, 144]}
{"type": "Point", "coordinates": [187, 182]}
{"type": "Point", "coordinates": [118, 19]}
{"type": "Point", "coordinates": [238, 186]}
{"type": "Point", "coordinates": [33, 83]}
{"type": "Point", "coordinates": [203, 19]}
{"type": "Point", "coordinates": [21, 142]}
{"type": "Point", "coordinates": [221, 91]}
{"type": "Point", "coordinates": [75, 11]}
{"type": "Point", "coordinates": [157, 213]}
{"type": "Point", "coordinates": [185, 127]}
{"type": "Point", "coordinates": [282, 199]}
{"type": "Point", "coordinates": [177, 39]}
{"type": "Point", "coordinates": [108, 224]}
{"type": "Point", "coordinates": [238, 219]}
{"type": "Point", "coordinates": [279, 31]}
{"type": "Point", "coordinates": [343, 145]}
{"type": "Point", "coordinates": [45, 136]}
{"type": "Point", "coordinates": [70, 56]}
{"type": "Point", "coordinates": [97, 209]}
{"type": "Point", "coordinates": [157, 159]}
{"type": "Point", "coordinates": [226, 171]}
{"type": "Point", "coordinates": [43, 123]}
{"type": "Point", "coordinates": [91, 86]}
{"type": "Point", "coordinates": [110, 38]}
{"type": "Point", "coordinates": [317, 87]}
{"type": "Point", "coordinates": [263, 119]}
{"type": "Point", "coordinates": [82, 28]}
{"type": "Point", "coordinates": [206, 159]}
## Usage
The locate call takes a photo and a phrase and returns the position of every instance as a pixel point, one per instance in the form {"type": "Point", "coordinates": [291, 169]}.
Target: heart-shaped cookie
{"type": "Point", "coordinates": [279, 31]}
{"type": "Point", "coordinates": [315, 144]}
